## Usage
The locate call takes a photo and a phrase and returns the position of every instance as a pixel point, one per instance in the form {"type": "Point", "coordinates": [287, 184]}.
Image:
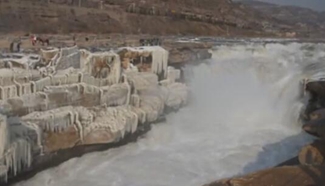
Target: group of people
{"type": "Point", "coordinates": [35, 39]}
{"type": "Point", "coordinates": [15, 46]}
{"type": "Point", "coordinates": [150, 42]}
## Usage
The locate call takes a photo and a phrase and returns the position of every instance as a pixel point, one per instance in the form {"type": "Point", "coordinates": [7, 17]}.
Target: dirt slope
{"type": "Point", "coordinates": [163, 17]}
{"type": "Point", "coordinates": [306, 21]}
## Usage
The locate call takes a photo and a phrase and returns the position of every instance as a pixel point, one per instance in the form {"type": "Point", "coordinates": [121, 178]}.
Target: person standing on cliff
{"type": "Point", "coordinates": [18, 46]}
{"type": "Point", "coordinates": [11, 47]}
{"type": "Point", "coordinates": [34, 40]}
{"type": "Point", "coordinates": [74, 40]}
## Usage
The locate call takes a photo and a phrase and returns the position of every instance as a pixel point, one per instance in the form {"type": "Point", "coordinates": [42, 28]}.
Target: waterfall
{"type": "Point", "coordinates": [242, 117]}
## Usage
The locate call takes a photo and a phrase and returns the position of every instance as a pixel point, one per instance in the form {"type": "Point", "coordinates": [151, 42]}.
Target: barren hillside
{"type": "Point", "coordinates": [306, 21]}
{"type": "Point", "coordinates": [177, 17]}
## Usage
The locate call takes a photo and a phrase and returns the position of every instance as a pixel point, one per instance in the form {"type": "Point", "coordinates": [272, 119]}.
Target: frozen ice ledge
{"type": "Point", "coordinates": [62, 103]}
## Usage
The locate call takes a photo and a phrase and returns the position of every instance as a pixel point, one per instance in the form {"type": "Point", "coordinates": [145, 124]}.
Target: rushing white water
{"type": "Point", "coordinates": [243, 117]}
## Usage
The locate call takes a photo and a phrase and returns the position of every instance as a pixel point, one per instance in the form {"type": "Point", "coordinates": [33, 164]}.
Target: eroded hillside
{"type": "Point", "coordinates": [176, 17]}
{"type": "Point", "coordinates": [307, 22]}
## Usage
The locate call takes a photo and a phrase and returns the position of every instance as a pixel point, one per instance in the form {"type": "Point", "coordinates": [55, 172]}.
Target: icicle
{"type": "Point", "coordinates": [129, 89]}
{"type": "Point", "coordinates": [80, 77]}
{"type": "Point", "coordinates": [52, 123]}
{"type": "Point", "coordinates": [38, 131]}
{"type": "Point", "coordinates": [18, 156]}
{"type": "Point", "coordinates": [3, 173]}
{"type": "Point", "coordinates": [134, 121]}
{"type": "Point", "coordinates": [18, 87]}
{"type": "Point", "coordinates": [14, 158]}
{"type": "Point", "coordinates": [5, 93]}
{"type": "Point", "coordinates": [165, 62]}
{"type": "Point", "coordinates": [122, 130]}
{"type": "Point", "coordinates": [46, 99]}
{"type": "Point", "coordinates": [77, 122]}
{"type": "Point", "coordinates": [177, 95]}
{"type": "Point", "coordinates": [2, 93]}
{"type": "Point", "coordinates": [101, 95]}
{"type": "Point", "coordinates": [159, 60]}
{"type": "Point", "coordinates": [3, 134]}
{"type": "Point", "coordinates": [42, 83]}
{"type": "Point", "coordinates": [7, 158]}
{"type": "Point", "coordinates": [117, 68]}
{"type": "Point", "coordinates": [71, 117]}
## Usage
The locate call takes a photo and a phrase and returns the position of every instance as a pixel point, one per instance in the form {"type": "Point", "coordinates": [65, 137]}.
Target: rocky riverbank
{"type": "Point", "coordinates": [60, 103]}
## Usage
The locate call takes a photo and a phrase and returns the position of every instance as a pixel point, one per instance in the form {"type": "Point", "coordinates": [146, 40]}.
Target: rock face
{"type": "Point", "coordinates": [316, 128]}
{"type": "Point", "coordinates": [313, 154]}
{"type": "Point", "coordinates": [315, 111]}
{"type": "Point", "coordinates": [81, 99]}
{"type": "Point", "coordinates": [316, 91]}
{"type": "Point", "coordinates": [287, 175]}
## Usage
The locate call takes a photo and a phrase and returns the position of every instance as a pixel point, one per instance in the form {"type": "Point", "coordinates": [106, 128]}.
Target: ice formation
{"type": "Point", "coordinates": [55, 120]}
{"type": "Point", "coordinates": [117, 94]}
{"type": "Point", "coordinates": [3, 134]}
{"type": "Point", "coordinates": [88, 92]}
{"type": "Point", "coordinates": [118, 120]}
{"type": "Point", "coordinates": [172, 76]}
{"type": "Point", "coordinates": [176, 95]}
{"type": "Point", "coordinates": [8, 92]}
{"type": "Point", "coordinates": [95, 63]}
{"type": "Point", "coordinates": [67, 57]}
{"type": "Point", "coordinates": [49, 54]}
{"type": "Point", "coordinates": [159, 57]}
{"type": "Point", "coordinates": [142, 80]}
{"type": "Point", "coordinates": [14, 156]}
{"type": "Point", "coordinates": [20, 61]}
{"type": "Point", "coordinates": [159, 60]}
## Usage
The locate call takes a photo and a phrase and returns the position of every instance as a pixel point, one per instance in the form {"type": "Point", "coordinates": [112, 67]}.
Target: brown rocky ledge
{"type": "Point", "coordinates": [302, 175]}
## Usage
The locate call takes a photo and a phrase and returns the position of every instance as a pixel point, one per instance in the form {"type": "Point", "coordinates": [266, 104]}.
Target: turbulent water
{"type": "Point", "coordinates": [242, 117]}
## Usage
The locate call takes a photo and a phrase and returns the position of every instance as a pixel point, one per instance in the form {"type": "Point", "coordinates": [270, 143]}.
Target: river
{"type": "Point", "coordinates": [242, 117]}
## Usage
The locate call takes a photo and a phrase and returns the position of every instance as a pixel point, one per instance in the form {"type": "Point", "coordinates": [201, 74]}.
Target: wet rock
{"type": "Point", "coordinates": [316, 91]}
{"type": "Point", "coordinates": [282, 176]}
{"type": "Point", "coordinates": [315, 128]}
{"type": "Point", "coordinates": [318, 114]}
{"type": "Point", "coordinates": [58, 141]}
{"type": "Point", "coordinates": [313, 154]}
{"type": "Point", "coordinates": [316, 87]}
{"type": "Point", "coordinates": [98, 137]}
